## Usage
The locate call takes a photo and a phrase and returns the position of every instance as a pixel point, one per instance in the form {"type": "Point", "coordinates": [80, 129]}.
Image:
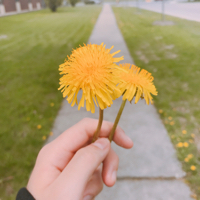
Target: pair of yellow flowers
{"type": "Point", "coordinates": [93, 69]}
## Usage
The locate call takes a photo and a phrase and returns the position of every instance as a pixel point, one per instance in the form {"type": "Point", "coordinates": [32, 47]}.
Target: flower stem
{"type": "Point", "coordinates": [96, 134]}
{"type": "Point", "coordinates": [117, 120]}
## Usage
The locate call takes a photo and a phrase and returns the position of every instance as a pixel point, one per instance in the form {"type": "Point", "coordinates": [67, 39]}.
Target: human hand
{"type": "Point", "coordinates": [69, 168]}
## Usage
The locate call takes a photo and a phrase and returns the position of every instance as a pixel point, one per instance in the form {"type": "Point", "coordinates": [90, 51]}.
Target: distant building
{"type": "Point", "coordinates": [18, 6]}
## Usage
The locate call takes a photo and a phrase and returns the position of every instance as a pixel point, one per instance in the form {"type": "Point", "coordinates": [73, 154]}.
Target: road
{"type": "Point", "coordinates": [185, 10]}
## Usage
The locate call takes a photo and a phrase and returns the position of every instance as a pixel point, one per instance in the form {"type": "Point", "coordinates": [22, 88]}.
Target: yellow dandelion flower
{"type": "Point", "coordinates": [194, 196]}
{"type": "Point", "coordinates": [192, 135]}
{"type": "Point", "coordinates": [90, 68]}
{"type": "Point", "coordinates": [172, 123]}
{"type": "Point", "coordinates": [186, 181]}
{"type": "Point", "coordinates": [193, 168]}
{"type": "Point", "coordinates": [52, 104]}
{"type": "Point", "coordinates": [186, 159]}
{"type": "Point", "coordinates": [160, 111]}
{"type": "Point", "coordinates": [44, 137]}
{"type": "Point", "coordinates": [180, 144]}
{"type": "Point", "coordinates": [173, 136]}
{"type": "Point", "coordinates": [191, 141]}
{"type": "Point", "coordinates": [190, 156]}
{"type": "Point", "coordinates": [184, 131]}
{"type": "Point", "coordinates": [51, 133]}
{"type": "Point", "coordinates": [170, 118]}
{"type": "Point", "coordinates": [185, 144]}
{"type": "Point", "coordinates": [134, 82]}
{"type": "Point", "coordinates": [39, 126]}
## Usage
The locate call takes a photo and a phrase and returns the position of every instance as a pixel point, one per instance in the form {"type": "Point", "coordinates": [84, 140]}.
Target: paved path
{"type": "Point", "coordinates": [150, 170]}
{"type": "Point", "coordinates": [189, 11]}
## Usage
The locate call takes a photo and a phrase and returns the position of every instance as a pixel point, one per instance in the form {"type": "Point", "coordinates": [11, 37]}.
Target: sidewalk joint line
{"type": "Point", "coordinates": [148, 178]}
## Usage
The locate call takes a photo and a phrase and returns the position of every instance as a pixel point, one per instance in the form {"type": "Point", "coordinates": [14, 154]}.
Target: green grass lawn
{"type": "Point", "coordinates": [36, 44]}
{"type": "Point", "coordinates": [172, 55]}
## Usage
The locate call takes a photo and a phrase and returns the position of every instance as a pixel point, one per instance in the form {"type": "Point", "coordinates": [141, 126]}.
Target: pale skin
{"type": "Point", "coordinates": [71, 168]}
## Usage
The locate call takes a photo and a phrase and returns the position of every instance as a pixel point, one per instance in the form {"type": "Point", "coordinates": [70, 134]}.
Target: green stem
{"type": "Point", "coordinates": [96, 134]}
{"type": "Point", "coordinates": [117, 120]}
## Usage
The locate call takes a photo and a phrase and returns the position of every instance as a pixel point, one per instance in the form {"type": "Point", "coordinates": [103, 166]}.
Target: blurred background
{"type": "Point", "coordinates": [37, 35]}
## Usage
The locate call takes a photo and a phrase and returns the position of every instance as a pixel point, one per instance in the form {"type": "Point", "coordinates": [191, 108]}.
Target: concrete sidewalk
{"type": "Point", "coordinates": [150, 170]}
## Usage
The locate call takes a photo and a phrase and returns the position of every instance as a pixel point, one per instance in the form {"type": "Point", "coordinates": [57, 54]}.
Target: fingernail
{"type": "Point", "coordinates": [114, 176]}
{"type": "Point", "coordinates": [101, 143]}
{"type": "Point", "coordinates": [88, 197]}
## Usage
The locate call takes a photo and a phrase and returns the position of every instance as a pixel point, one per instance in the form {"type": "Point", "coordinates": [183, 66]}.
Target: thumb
{"type": "Point", "coordinates": [79, 170]}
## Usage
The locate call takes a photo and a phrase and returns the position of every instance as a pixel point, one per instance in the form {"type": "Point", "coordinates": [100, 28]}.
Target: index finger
{"type": "Point", "coordinates": [62, 149]}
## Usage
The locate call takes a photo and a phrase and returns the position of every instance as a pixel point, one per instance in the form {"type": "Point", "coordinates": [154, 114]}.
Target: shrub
{"type": "Point", "coordinates": [73, 2]}
{"type": "Point", "coordinates": [53, 4]}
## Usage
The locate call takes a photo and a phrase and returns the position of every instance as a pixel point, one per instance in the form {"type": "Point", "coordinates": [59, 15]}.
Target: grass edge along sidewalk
{"type": "Point", "coordinates": [170, 53]}
{"type": "Point", "coordinates": [33, 46]}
